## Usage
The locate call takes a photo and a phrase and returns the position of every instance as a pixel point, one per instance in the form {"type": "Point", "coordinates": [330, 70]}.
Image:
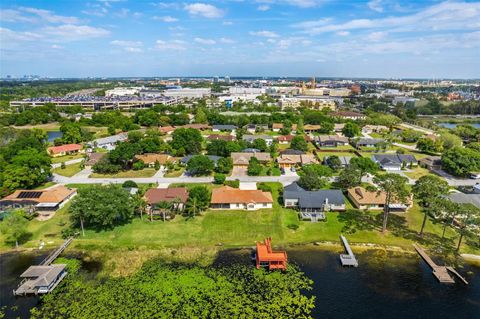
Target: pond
{"type": "Point", "coordinates": [385, 285]}
{"type": "Point", "coordinates": [454, 125]}
{"type": "Point", "coordinates": [52, 135]}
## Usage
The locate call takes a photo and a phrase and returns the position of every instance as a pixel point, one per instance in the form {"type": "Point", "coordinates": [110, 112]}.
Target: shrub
{"type": "Point", "coordinates": [234, 184]}
{"type": "Point", "coordinates": [219, 178]}
{"type": "Point", "coordinates": [138, 166]}
{"type": "Point", "coordinates": [264, 187]}
{"type": "Point", "coordinates": [129, 184]}
{"type": "Point", "coordinates": [63, 166]}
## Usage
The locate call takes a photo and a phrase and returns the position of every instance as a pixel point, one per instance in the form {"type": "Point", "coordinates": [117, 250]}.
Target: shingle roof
{"type": "Point", "coordinates": [56, 194]}
{"type": "Point", "coordinates": [156, 195]}
{"type": "Point", "coordinates": [394, 159]}
{"type": "Point", "coordinates": [369, 141]}
{"type": "Point", "coordinates": [152, 158]}
{"type": "Point", "coordinates": [244, 158]}
{"type": "Point", "coordinates": [224, 127]}
{"type": "Point", "coordinates": [214, 158]}
{"type": "Point", "coordinates": [462, 198]}
{"type": "Point", "coordinates": [313, 199]}
{"type": "Point", "coordinates": [64, 148]}
{"type": "Point", "coordinates": [229, 195]}
{"type": "Point", "coordinates": [364, 197]}
{"type": "Point", "coordinates": [94, 158]}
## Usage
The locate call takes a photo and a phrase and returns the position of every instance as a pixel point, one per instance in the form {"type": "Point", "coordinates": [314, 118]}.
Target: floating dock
{"type": "Point", "coordinates": [440, 272]}
{"type": "Point", "coordinates": [347, 259]}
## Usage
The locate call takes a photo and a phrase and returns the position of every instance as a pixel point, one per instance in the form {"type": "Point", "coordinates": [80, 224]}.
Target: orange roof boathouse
{"type": "Point", "coordinates": [265, 257]}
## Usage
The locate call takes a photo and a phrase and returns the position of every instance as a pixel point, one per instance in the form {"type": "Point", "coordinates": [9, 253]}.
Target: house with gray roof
{"type": "Point", "coordinates": [213, 158]}
{"type": "Point", "coordinates": [226, 127]}
{"type": "Point", "coordinates": [109, 143]}
{"type": "Point", "coordinates": [312, 205]}
{"type": "Point", "coordinates": [344, 160]}
{"type": "Point", "coordinates": [394, 162]}
{"type": "Point", "coordinates": [368, 142]}
{"type": "Point", "coordinates": [251, 138]}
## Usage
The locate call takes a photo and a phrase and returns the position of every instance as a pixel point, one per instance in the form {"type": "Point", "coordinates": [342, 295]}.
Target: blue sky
{"type": "Point", "coordinates": [378, 38]}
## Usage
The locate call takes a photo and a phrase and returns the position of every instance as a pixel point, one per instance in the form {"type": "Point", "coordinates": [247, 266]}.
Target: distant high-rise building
{"type": "Point", "coordinates": [215, 79]}
{"type": "Point", "coordinates": [227, 80]}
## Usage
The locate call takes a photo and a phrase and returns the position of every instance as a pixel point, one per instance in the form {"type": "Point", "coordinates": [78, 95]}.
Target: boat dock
{"type": "Point", "coordinates": [43, 278]}
{"type": "Point", "coordinates": [440, 272]}
{"type": "Point", "coordinates": [347, 259]}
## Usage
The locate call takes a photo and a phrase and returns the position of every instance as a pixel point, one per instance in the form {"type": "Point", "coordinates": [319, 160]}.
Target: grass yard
{"type": "Point", "coordinates": [417, 172]}
{"type": "Point", "coordinates": [69, 170]}
{"type": "Point", "coordinates": [66, 158]}
{"type": "Point", "coordinates": [175, 173]}
{"type": "Point", "coordinates": [243, 228]}
{"type": "Point", "coordinates": [45, 185]}
{"type": "Point", "coordinates": [322, 155]}
{"type": "Point", "coordinates": [146, 172]}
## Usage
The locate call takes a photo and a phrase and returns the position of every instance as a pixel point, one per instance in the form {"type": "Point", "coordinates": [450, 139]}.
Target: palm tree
{"type": "Point", "coordinates": [192, 208]}
{"type": "Point", "coordinates": [163, 207]}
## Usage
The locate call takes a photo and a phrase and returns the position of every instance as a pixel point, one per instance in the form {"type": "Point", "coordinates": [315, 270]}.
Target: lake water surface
{"type": "Point", "coordinates": [454, 125]}
{"type": "Point", "coordinates": [52, 135]}
{"type": "Point", "coordinates": [385, 285]}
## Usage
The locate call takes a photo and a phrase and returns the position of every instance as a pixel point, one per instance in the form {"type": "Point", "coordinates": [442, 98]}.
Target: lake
{"type": "Point", "coordinates": [385, 285]}
{"type": "Point", "coordinates": [52, 135]}
{"type": "Point", "coordinates": [454, 125]}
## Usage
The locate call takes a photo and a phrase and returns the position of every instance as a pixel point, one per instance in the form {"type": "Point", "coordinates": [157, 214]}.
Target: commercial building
{"type": "Point", "coordinates": [188, 93]}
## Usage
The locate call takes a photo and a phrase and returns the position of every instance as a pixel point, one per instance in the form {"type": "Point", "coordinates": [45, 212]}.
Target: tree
{"type": "Point", "coordinates": [200, 116]}
{"type": "Point", "coordinates": [467, 220]}
{"type": "Point", "coordinates": [364, 164]}
{"type": "Point", "coordinates": [350, 177]}
{"type": "Point", "coordinates": [103, 166]}
{"type": "Point", "coordinates": [138, 165]}
{"type": "Point", "coordinates": [254, 167]}
{"type": "Point", "coordinates": [163, 207]}
{"type": "Point", "coordinates": [300, 129]}
{"type": "Point", "coordinates": [260, 144]}
{"type": "Point", "coordinates": [428, 145]}
{"type": "Point", "coordinates": [313, 176]}
{"type": "Point", "coordinates": [427, 189]}
{"type": "Point", "coordinates": [395, 188]}
{"type": "Point", "coordinates": [187, 138]}
{"type": "Point", "coordinates": [217, 147]}
{"type": "Point", "coordinates": [299, 143]}
{"type": "Point", "coordinates": [198, 200]}
{"type": "Point", "coordinates": [461, 161]}
{"type": "Point", "coordinates": [224, 165]}
{"type": "Point", "coordinates": [351, 129]}
{"type": "Point", "coordinates": [219, 178]}
{"type": "Point", "coordinates": [334, 162]}
{"type": "Point", "coordinates": [450, 141]}
{"type": "Point", "coordinates": [200, 165]}
{"type": "Point", "coordinates": [101, 207]}
{"type": "Point", "coordinates": [14, 226]}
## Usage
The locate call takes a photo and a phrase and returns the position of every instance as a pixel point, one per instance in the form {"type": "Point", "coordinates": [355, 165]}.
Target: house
{"type": "Point", "coordinates": [344, 160]}
{"type": "Point", "coordinates": [149, 159]}
{"type": "Point", "coordinates": [394, 162]}
{"type": "Point", "coordinates": [348, 115]}
{"type": "Point", "coordinates": [251, 138]}
{"type": "Point", "coordinates": [93, 158]}
{"type": "Point", "coordinates": [166, 129]}
{"type": "Point", "coordinates": [267, 258]}
{"type": "Point", "coordinates": [276, 127]}
{"type": "Point", "coordinates": [288, 161]}
{"type": "Point", "coordinates": [224, 128]}
{"type": "Point", "coordinates": [227, 197]}
{"type": "Point", "coordinates": [214, 137]}
{"type": "Point", "coordinates": [47, 200]}
{"type": "Point", "coordinates": [253, 128]}
{"type": "Point", "coordinates": [331, 140]}
{"type": "Point", "coordinates": [109, 143]}
{"type": "Point", "coordinates": [461, 198]}
{"type": "Point", "coordinates": [177, 195]}
{"type": "Point", "coordinates": [367, 129]}
{"type": "Point", "coordinates": [242, 159]}
{"type": "Point", "coordinates": [41, 279]}
{"type": "Point", "coordinates": [338, 127]}
{"type": "Point", "coordinates": [368, 142]}
{"type": "Point", "coordinates": [197, 126]}
{"type": "Point", "coordinates": [284, 139]}
{"type": "Point", "coordinates": [313, 204]}
{"type": "Point", "coordinates": [290, 151]}
{"type": "Point", "coordinates": [431, 162]}
{"type": "Point", "coordinates": [67, 149]}
{"type": "Point", "coordinates": [310, 128]}
{"type": "Point", "coordinates": [374, 200]}
{"type": "Point", "coordinates": [213, 158]}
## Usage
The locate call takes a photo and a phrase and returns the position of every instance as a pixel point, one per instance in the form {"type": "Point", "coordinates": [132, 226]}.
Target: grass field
{"type": "Point", "coordinates": [175, 173]}
{"type": "Point", "coordinates": [146, 172]}
{"type": "Point", "coordinates": [66, 158]}
{"type": "Point", "coordinates": [69, 170]}
{"type": "Point", "coordinates": [243, 228]}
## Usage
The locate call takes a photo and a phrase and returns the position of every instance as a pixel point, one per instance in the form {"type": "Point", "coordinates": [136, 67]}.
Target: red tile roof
{"type": "Point", "coordinates": [64, 148]}
{"type": "Point", "coordinates": [229, 195]}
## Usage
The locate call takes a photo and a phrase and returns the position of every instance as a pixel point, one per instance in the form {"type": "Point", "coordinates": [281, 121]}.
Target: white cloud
{"type": "Point", "coordinates": [8, 35]}
{"type": "Point", "coordinates": [123, 43]}
{"type": "Point", "coordinates": [227, 23]}
{"type": "Point", "coordinates": [70, 32]}
{"type": "Point", "coordinates": [49, 16]}
{"type": "Point", "coordinates": [296, 3]}
{"type": "Point", "coordinates": [205, 41]}
{"type": "Point", "coordinates": [133, 49]}
{"type": "Point", "coordinates": [204, 10]}
{"type": "Point", "coordinates": [343, 33]}
{"type": "Point", "coordinates": [264, 33]}
{"type": "Point", "coordinates": [8, 15]}
{"type": "Point", "coordinates": [177, 45]}
{"type": "Point", "coordinates": [263, 7]}
{"type": "Point", "coordinates": [167, 19]}
{"type": "Point", "coordinates": [312, 24]}
{"type": "Point", "coordinates": [443, 16]}
{"type": "Point", "coordinates": [56, 46]}
{"type": "Point", "coordinates": [376, 36]}
{"type": "Point", "coordinates": [227, 40]}
{"type": "Point", "coordinates": [123, 13]}
{"type": "Point", "coordinates": [375, 5]}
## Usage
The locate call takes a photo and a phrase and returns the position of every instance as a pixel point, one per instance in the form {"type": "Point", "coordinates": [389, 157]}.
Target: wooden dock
{"type": "Point", "coordinates": [440, 272]}
{"type": "Point", "coordinates": [347, 259]}
{"type": "Point", "coordinates": [54, 254]}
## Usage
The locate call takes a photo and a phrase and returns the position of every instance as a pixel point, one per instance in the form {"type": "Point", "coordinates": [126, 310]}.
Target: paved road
{"type": "Point", "coordinates": [417, 128]}
{"type": "Point", "coordinates": [76, 179]}
{"type": "Point", "coordinates": [455, 181]}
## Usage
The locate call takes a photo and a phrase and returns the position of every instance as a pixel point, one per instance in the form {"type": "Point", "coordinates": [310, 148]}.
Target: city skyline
{"type": "Point", "coordinates": [365, 39]}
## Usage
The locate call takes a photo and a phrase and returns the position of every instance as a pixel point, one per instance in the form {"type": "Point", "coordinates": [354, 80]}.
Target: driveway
{"type": "Point", "coordinates": [289, 172]}
{"type": "Point", "coordinates": [239, 171]}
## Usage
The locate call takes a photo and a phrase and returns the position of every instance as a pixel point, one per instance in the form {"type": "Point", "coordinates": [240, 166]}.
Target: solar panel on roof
{"type": "Point", "coordinates": [29, 194]}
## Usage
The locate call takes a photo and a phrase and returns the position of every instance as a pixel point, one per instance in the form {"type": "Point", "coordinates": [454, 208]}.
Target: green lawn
{"type": "Point", "coordinates": [322, 155]}
{"type": "Point", "coordinates": [243, 228]}
{"type": "Point", "coordinates": [417, 172]}
{"type": "Point", "coordinates": [175, 173]}
{"type": "Point", "coordinates": [69, 170]}
{"type": "Point", "coordinates": [62, 159]}
{"type": "Point", "coordinates": [146, 172]}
